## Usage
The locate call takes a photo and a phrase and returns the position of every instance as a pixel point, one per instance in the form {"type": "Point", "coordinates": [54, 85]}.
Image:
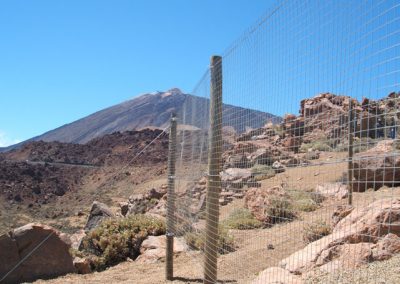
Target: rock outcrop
{"type": "Point", "coordinates": [153, 249]}
{"type": "Point", "coordinates": [262, 202]}
{"type": "Point", "coordinates": [34, 251]}
{"type": "Point", "coordinates": [376, 167]}
{"type": "Point", "coordinates": [365, 235]}
{"type": "Point", "coordinates": [98, 213]}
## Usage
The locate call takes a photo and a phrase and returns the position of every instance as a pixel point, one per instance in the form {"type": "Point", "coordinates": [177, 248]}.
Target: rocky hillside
{"type": "Point", "coordinates": [152, 110]}
{"type": "Point", "coordinates": [39, 171]}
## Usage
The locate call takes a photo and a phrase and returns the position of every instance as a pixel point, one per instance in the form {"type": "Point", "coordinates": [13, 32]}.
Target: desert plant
{"type": "Point", "coordinates": [280, 210]}
{"type": "Point", "coordinates": [261, 172]}
{"type": "Point", "coordinates": [316, 230]}
{"type": "Point", "coordinates": [318, 145]}
{"type": "Point", "coordinates": [196, 241]}
{"type": "Point", "coordinates": [306, 201]}
{"type": "Point", "coordinates": [117, 239]}
{"type": "Point", "coordinates": [242, 219]}
{"type": "Point", "coordinates": [311, 155]}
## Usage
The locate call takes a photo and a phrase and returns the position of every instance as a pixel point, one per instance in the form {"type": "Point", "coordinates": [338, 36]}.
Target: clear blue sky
{"type": "Point", "coordinates": [62, 60]}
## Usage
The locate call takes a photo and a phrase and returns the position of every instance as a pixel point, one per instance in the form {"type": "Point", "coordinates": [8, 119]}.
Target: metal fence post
{"type": "Point", "coordinates": [171, 200]}
{"type": "Point", "coordinates": [214, 169]}
{"type": "Point", "coordinates": [350, 154]}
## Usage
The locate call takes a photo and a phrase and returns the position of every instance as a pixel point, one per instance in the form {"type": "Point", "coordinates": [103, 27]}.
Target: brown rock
{"type": "Point", "coordinates": [153, 249]}
{"type": "Point", "coordinates": [258, 200]}
{"type": "Point", "coordinates": [333, 190]}
{"type": "Point", "coordinates": [234, 174]}
{"type": "Point", "coordinates": [386, 247]}
{"type": "Point", "coordinates": [124, 208]}
{"type": "Point", "coordinates": [377, 167]}
{"type": "Point", "coordinates": [82, 265]}
{"type": "Point", "coordinates": [340, 212]}
{"type": "Point", "coordinates": [48, 254]}
{"type": "Point", "coordinates": [98, 213]}
{"type": "Point", "coordinates": [366, 225]}
{"type": "Point", "coordinates": [76, 239]}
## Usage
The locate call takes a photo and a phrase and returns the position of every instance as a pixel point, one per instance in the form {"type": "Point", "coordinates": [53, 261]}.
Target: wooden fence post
{"type": "Point", "coordinates": [169, 272]}
{"type": "Point", "coordinates": [214, 169]}
{"type": "Point", "coordinates": [350, 154]}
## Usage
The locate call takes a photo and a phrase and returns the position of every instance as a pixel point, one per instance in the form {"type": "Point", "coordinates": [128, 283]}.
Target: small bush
{"type": "Point", "coordinates": [315, 231]}
{"type": "Point", "coordinates": [311, 155]}
{"type": "Point", "coordinates": [242, 219]}
{"type": "Point", "coordinates": [319, 145]}
{"type": "Point", "coordinates": [305, 201]}
{"type": "Point", "coordinates": [117, 239]}
{"type": "Point", "coordinates": [196, 241]}
{"type": "Point", "coordinates": [261, 172]}
{"type": "Point", "coordinates": [280, 210]}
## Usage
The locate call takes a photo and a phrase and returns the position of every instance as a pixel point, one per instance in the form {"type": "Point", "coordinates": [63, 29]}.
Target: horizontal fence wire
{"type": "Point", "coordinates": [310, 179]}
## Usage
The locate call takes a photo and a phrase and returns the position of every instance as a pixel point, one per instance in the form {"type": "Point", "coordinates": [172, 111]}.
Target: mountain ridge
{"type": "Point", "coordinates": [149, 110]}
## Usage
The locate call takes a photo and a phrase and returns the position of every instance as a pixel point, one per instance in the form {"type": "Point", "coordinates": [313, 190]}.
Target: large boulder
{"type": "Point", "coordinates": [367, 227]}
{"type": "Point", "coordinates": [34, 251]}
{"type": "Point", "coordinates": [98, 213]}
{"type": "Point", "coordinates": [335, 190]}
{"type": "Point", "coordinates": [267, 204]}
{"type": "Point", "coordinates": [153, 249]}
{"type": "Point", "coordinates": [376, 167]}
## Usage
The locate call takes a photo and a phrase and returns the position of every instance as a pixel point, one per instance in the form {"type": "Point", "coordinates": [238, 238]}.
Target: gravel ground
{"type": "Point", "coordinates": [379, 272]}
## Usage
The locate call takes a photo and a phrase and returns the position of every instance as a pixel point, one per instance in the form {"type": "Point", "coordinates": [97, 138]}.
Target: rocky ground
{"type": "Point", "coordinates": [56, 183]}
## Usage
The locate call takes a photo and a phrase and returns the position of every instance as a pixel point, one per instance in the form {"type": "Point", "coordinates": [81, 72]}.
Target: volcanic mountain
{"type": "Point", "coordinates": [153, 110]}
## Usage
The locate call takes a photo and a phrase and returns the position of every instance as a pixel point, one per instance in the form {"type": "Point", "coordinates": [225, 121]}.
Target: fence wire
{"type": "Point", "coordinates": [310, 156]}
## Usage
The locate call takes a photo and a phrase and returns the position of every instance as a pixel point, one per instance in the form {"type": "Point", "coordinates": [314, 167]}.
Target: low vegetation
{"type": "Point", "coordinates": [261, 172]}
{"type": "Point", "coordinates": [316, 230]}
{"type": "Point", "coordinates": [196, 241]}
{"type": "Point", "coordinates": [318, 145]}
{"type": "Point", "coordinates": [280, 210]}
{"type": "Point", "coordinates": [242, 219]}
{"type": "Point", "coordinates": [116, 240]}
{"type": "Point", "coordinates": [305, 201]}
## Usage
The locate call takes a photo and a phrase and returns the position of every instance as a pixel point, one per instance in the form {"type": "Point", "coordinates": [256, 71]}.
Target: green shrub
{"type": "Point", "coordinates": [311, 155]}
{"type": "Point", "coordinates": [318, 145]}
{"type": "Point", "coordinates": [306, 201]}
{"type": "Point", "coordinates": [117, 239]}
{"type": "Point", "coordinates": [196, 241]}
{"type": "Point", "coordinates": [280, 210]}
{"type": "Point", "coordinates": [315, 231]}
{"type": "Point", "coordinates": [261, 172]}
{"type": "Point", "coordinates": [242, 219]}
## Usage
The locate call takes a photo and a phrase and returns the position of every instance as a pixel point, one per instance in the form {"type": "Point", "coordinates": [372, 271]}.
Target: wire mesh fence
{"type": "Point", "coordinates": [309, 197]}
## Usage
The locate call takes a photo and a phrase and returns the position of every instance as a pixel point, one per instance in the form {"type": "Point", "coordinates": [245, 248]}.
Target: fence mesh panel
{"type": "Point", "coordinates": [310, 155]}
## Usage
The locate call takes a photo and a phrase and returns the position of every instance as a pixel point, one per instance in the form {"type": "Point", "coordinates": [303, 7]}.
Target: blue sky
{"type": "Point", "coordinates": [62, 60]}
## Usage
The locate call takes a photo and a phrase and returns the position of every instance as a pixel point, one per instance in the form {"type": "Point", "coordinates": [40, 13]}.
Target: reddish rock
{"type": "Point", "coordinates": [82, 265]}
{"type": "Point", "coordinates": [332, 190]}
{"type": "Point", "coordinates": [258, 200]}
{"type": "Point", "coordinates": [48, 254]}
{"type": "Point", "coordinates": [376, 167]}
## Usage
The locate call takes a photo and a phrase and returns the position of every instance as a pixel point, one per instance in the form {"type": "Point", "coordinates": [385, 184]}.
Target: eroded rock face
{"type": "Point", "coordinates": [364, 235]}
{"type": "Point", "coordinates": [98, 213]}
{"type": "Point", "coordinates": [49, 254]}
{"type": "Point", "coordinates": [376, 167]}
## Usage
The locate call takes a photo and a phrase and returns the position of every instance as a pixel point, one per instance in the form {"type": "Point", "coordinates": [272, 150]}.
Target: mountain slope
{"type": "Point", "coordinates": [152, 110]}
